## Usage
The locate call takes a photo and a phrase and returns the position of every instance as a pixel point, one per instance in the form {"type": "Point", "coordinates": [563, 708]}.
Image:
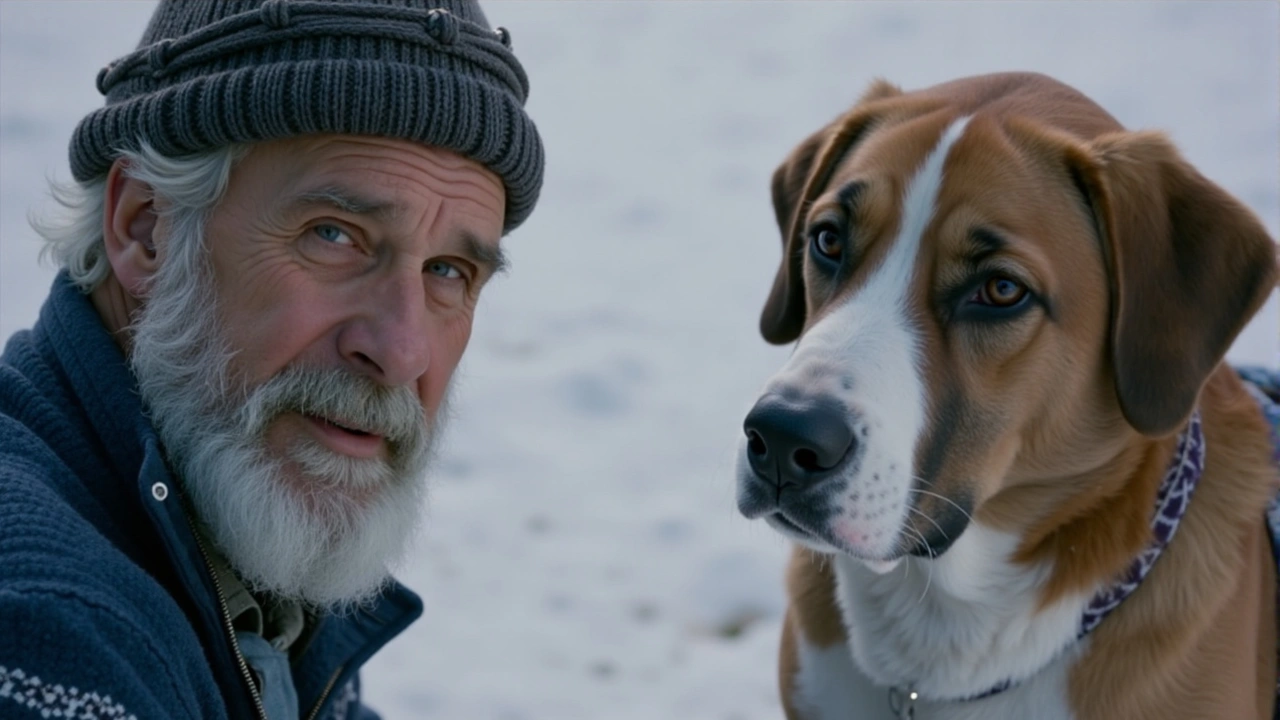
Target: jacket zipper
{"type": "Point", "coordinates": [230, 629]}
{"type": "Point", "coordinates": [324, 695]}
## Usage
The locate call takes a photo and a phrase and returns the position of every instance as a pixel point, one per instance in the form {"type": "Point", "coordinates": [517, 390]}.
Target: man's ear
{"type": "Point", "coordinates": [128, 230]}
{"type": "Point", "coordinates": [796, 181]}
{"type": "Point", "coordinates": [1188, 265]}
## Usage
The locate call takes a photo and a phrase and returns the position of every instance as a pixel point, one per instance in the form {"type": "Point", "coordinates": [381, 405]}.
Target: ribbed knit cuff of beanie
{"type": "Point", "coordinates": [209, 73]}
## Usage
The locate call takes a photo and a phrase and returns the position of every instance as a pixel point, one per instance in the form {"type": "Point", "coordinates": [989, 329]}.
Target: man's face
{"type": "Point", "coordinates": [365, 254]}
{"type": "Point", "coordinates": [296, 372]}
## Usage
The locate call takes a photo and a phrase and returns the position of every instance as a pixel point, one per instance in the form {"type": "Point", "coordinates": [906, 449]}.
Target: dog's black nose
{"type": "Point", "coordinates": [797, 441]}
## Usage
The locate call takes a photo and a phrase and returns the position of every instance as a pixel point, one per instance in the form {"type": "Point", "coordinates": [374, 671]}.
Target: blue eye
{"type": "Point", "coordinates": [333, 234]}
{"type": "Point", "coordinates": [443, 269]}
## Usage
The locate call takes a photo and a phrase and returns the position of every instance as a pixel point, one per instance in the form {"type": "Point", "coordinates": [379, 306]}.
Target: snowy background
{"type": "Point", "coordinates": [582, 556]}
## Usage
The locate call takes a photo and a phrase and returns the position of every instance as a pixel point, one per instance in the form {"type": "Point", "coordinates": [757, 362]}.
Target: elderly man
{"type": "Point", "coordinates": [213, 441]}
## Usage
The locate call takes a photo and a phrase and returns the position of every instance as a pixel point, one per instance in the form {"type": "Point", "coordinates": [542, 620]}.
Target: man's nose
{"type": "Point", "coordinates": [797, 440]}
{"type": "Point", "coordinates": [390, 339]}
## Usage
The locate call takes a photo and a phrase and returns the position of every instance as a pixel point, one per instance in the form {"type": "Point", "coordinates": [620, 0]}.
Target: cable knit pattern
{"type": "Point", "coordinates": [106, 608]}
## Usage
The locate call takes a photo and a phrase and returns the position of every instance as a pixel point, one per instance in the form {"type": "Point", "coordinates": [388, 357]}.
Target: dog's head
{"type": "Point", "coordinates": [994, 287]}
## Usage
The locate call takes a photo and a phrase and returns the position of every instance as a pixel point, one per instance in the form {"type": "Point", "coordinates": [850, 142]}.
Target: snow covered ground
{"type": "Point", "coordinates": [582, 556]}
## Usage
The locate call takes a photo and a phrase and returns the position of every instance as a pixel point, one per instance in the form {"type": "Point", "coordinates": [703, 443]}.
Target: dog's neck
{"type": "Point", "coordinates": [974, 621]}
{"type": "Point", "coordinates": [1172, 500]}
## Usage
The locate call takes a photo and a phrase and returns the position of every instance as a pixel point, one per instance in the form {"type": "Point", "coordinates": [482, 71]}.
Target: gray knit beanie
{"type": "Point", "coordinates": [208, 73]}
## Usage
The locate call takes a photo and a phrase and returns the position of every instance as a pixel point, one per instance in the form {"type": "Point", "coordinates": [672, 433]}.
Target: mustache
{"type": "Point", "coordinates": [338, 395]}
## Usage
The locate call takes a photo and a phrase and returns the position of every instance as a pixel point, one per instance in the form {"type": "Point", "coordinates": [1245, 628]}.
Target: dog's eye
{"type": "Point", "coordinates": [826, 242]}
{"type": "Point", "coordinates": [1000, 292]}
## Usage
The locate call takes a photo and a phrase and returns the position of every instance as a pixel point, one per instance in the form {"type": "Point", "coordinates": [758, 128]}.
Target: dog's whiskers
{"type": "Point", "coordinates": [935, 524]}
{"type": "Point", "coordinates": [928, 580]}
{"type": "Point", "coordinates": [821, 560]}
{"type": "Point", "coordinates": [940, 497]}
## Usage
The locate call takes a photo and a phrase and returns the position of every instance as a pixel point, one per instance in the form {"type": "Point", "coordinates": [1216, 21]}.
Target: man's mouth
{"type": "Point", "coordinates": [346, 439]}
{"type": "Point", "coordinates": [349, 428]}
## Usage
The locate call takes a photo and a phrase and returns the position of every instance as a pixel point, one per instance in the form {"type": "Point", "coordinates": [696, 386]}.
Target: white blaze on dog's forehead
{"type": "Point", "coordinates": [884, 297]}
{"type": "Point", "coordinates": [871, 338]}
{"type": "Point", "coordinates": [893, 279]}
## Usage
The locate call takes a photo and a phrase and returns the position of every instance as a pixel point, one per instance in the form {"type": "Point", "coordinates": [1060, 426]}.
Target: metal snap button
{"type": "Point", "coordinates": [160, 491]}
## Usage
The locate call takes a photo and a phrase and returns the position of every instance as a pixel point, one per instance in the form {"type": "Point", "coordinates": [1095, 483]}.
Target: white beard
{"type": "Point", "coordinates": [315, 526]}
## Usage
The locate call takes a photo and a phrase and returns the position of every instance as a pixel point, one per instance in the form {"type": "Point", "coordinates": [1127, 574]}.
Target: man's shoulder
{"type": "Point", "coordinates": [26, 380]}
{"type": "Point", "coordinates": [51, 534]}
{"type": "Point", "coordinates": [43, 503]}
{"type": "Point", "coordinates": [83, 627]}
{"type": "Point", "coordinates": [77, 610]}
{"type": "Point", "coordinates": [77, 650]}
{"type": "Point", "coordinates": [38, 414]}
{"type": "Point", "coordinates": [61, 496]}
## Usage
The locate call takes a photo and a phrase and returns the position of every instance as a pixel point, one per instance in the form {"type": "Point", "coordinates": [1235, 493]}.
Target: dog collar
{"type": "Point", "coordinates": [1171, 504]}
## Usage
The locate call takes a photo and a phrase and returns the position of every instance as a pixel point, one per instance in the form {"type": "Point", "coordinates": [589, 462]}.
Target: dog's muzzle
{"type": "Point", "coordinates": [797, 447]}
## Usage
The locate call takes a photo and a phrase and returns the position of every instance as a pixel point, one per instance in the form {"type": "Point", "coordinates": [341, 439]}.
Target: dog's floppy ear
{"type": "Point", "coordinates": [801, 176]}
{"type": "Point", "coordinates": [783, 314]}
{"type": "Point", "coordinates": [1188, 266]}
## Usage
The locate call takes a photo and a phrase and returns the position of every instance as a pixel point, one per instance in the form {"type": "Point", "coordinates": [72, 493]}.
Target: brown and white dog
{"type": "Point", "coordinates": [1011, 311]}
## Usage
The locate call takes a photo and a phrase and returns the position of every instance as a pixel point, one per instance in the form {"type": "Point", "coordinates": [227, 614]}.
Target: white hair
{"type": "Point", "coordinates": [189, 186]}
{"type": "Point", "coordinates": [307, 524]}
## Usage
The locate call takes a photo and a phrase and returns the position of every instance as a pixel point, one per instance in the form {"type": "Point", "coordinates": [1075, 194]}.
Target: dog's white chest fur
{"type": "Point", "coordinates": [954, 627]}
{"type": "Point", "coordinates": [829, 686]}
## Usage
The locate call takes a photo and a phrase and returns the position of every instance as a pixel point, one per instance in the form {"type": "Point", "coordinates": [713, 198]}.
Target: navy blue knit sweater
{"type": "Point", "coordinates": [106, 607]}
